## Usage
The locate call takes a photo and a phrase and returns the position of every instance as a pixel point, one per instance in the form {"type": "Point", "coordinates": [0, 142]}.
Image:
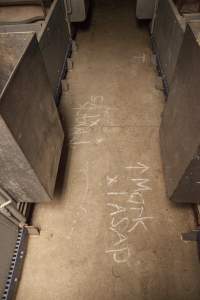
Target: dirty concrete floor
{"type": "Point", "coordinates": [111, 232]}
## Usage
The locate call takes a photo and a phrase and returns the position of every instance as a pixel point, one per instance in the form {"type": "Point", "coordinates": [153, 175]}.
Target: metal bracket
{"type": "Point", "coordinates": [193, 236]}
{"type": "Point", "coordinates": [2, 206]}
{"type": "Point", "coordinates": [32, 230]}
{"type": "Point", "coordinates": [8, 209]}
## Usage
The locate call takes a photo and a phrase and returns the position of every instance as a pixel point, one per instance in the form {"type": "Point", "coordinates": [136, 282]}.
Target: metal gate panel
{"type": "Point", "coordinates": [168, 32]}
{"type": "Point", "coordinates": [31, 133]}
{"type": "Point", "coordinates": [54, 40]}
{"type": "Point", "coordinates": [179, 132]}
{"type": "Point", "coordinates": [55, 44]}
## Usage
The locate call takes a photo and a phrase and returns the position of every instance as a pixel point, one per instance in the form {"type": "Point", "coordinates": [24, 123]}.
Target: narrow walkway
{"type": "Point", "coordinates": [112, 234]}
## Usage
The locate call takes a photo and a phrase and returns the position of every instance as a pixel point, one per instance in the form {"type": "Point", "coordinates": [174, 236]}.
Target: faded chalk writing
{"type": "Point", "coordinates": [139, 166]}
{"type": "Point", "coordinates": [117, 193]}
{"type": "Point", "coordinates": [85, 175]}
{"type": "Point", "coordinates": [140, 58]}
{"type": "Point", "coordinates": [111, 180]}
{"type": "Point", "coordinates": [89, 116]}
{"type": "Point", "coordinates": [141, 184]}
{"type": "Point", "coordinates": [120, 255]}
{"type": "Point", "coordinates": [127, 209]}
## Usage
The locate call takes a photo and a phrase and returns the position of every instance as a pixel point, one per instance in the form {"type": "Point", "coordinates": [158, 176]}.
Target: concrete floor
{"type": "Point", "coordinates": [111, 232]}
{"type": "Point", "coordinates": [18, 13]}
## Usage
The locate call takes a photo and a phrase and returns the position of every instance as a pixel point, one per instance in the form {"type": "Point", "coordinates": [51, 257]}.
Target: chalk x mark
{"type": "Point", "coordinates": [111, 180]}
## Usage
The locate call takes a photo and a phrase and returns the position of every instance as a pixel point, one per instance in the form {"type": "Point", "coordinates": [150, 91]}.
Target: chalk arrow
{"type": "Point", "coordinates": [139, 166]}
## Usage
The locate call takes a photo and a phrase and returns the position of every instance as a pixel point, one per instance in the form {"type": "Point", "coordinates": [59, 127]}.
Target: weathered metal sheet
{"type": "Point", "coordinates": [168, 34]}
{"type": "Point", "coordinates": [145, 9]}
{"type": "Point", "coordinates": [179, 132]}
{"type": "Point", "coordinates": [54, 40]}
{"type": "Point", "coordinates": [55, 43]}
{"type": "Point", "coordinates": [31, 134]}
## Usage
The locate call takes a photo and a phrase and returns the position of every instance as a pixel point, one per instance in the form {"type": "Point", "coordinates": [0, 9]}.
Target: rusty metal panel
{"type": "Point", "coordinates": [31, 133]}
{"type": "Point", "coordinates": [179, 132]}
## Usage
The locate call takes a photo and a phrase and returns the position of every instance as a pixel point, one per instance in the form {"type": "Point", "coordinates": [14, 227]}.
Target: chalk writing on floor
{"type": "Point", "coordinates": [82, 210]}
{"type": "Point", "coordinates": [89, 117]}
{"type": "Point", "coordinates": [127, 208]}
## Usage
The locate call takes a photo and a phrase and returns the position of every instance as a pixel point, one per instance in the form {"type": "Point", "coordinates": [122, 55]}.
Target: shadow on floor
{"type": "Point", "coordinates": [64, 164]}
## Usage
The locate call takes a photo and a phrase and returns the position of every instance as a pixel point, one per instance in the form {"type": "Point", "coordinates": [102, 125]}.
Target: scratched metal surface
{"type": "Point", "coordinates": [31, 134]}
{"type": "Point", "coordinates": [112, 233]}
